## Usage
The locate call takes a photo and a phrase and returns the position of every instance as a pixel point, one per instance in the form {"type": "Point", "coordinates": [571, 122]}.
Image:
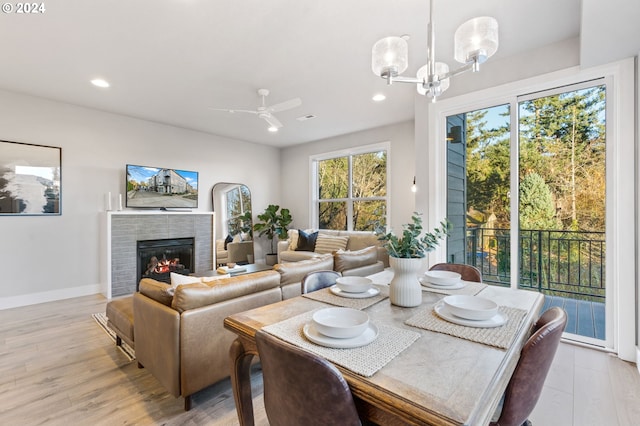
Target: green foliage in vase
{"type": "Point", "coordinates": [413, 243]}
{"type": "Point", "coordinates": [273, 223]}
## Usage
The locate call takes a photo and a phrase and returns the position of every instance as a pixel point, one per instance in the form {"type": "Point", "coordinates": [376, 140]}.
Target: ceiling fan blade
{"type": "Point", "coordinates": [234, 110]}
{"type": "Point", "coordinates": [282, 106]}
{"type": "Point", "coordinates": [271, 120]}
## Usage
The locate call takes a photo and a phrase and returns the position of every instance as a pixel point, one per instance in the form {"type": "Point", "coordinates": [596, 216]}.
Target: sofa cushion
{"type": "Point", "coordinates": [297, 256]}
{"type": "Point", "coordinates": [191, 296]}
{"type": "Point", "coordinates": [329, 243]}
{"type": "Point", "coordinates": [156, 290]}
{"type": "Point", "coordinates": [293, 272]}
{"type": "Point", "coordinates": [358, 240]}
{"type": "Point", "coordinates": [344, 260]}
{"type": "Point", "coordinates": [306, 241]}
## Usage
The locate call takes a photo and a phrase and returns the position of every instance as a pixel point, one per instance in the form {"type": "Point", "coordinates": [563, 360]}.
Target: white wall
{"type": "Point", "coordinates": [296, 174]}
{"type": "Point", "coordinates": [49, 258]}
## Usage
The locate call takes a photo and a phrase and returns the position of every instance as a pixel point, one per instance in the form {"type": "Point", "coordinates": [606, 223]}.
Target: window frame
{"type": "Point", "coordinates": [347, 152]}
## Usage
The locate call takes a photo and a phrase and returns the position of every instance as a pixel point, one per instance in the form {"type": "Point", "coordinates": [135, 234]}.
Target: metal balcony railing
{"type": "Point", "coordinates": [559, 263]}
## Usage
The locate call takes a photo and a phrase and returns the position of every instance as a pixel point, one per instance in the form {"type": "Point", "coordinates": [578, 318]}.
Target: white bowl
{"type": "Point", "coordinates": [341, 323]}
{"type": "Point", "coordinates": [471, 307]}
{"type": "Point", "coordinates": [354, 284]}
{"type": "Point", "coordinates": [443, 277]}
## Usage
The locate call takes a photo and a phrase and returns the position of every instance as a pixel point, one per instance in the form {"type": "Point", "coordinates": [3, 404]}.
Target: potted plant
{"type": "Point", "coordinates": [406, 256]}
{"type": "Point", "coordinates": [273, 224]}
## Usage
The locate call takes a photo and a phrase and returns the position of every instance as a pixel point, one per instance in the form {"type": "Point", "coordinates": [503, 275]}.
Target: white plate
{"type": "Point", "coordinates": [365, 338]}
{"type": "Point", "coordinates": [373, 291]}
{"type": "Point", "coordinates": [442, 311]}
{"type": "Point", "coordinates": [426, 283]}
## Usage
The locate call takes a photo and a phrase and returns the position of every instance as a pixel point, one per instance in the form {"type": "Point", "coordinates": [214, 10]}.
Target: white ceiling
{"type": "Point", "coordinates": [170, 60]}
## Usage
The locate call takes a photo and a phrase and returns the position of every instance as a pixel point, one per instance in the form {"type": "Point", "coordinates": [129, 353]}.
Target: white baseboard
{"type": "Point", "coordinates": [48, 296]}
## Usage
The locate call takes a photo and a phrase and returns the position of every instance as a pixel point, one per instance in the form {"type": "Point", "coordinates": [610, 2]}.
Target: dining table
{"type": "Point", "coordinates": [420, 370]}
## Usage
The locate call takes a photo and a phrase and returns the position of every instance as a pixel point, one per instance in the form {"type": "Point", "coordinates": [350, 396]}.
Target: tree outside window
{"type": "Point", "coordinates": [352, 191]}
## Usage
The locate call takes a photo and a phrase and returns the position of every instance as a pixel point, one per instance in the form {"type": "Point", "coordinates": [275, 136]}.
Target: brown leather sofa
{"type": "Point", "coordinates": [179, 333]}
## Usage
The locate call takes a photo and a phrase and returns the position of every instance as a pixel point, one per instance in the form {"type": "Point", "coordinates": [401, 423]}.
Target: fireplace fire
{"type": "Point", "coordinates": [158, 258]}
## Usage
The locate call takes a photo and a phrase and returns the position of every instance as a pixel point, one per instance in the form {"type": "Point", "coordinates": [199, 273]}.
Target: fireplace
{"type": "Point", "coordinates": [158, 258]}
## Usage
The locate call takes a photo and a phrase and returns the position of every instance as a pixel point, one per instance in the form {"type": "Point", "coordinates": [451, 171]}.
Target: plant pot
{"type": "Point", "coordinates": [271, 259]}
{"type": "Point", "coordinates": [405, 289]}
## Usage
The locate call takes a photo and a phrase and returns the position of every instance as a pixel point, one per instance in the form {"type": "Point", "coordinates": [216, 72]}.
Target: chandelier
{"type": "Point", "coordinates": [475, 41]}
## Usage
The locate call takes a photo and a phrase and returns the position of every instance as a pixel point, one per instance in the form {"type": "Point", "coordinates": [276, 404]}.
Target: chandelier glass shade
{"type": "Point", "coordinates": [476, 40]}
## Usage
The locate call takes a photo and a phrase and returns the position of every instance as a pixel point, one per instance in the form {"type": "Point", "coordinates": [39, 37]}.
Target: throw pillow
{"type": "Point", "coordinates": [293, 239]}
{"type": "Point", "coordinates": [330, 243]}
{"type": "Point", "coordinates": [306, 242]}
{"type": "Point", "coordinates": [227, 240]}
{"type": "Point", "coordinates": [345, 260]}
{"type": "Point", "coordinates": [179, 279]}
{"type": "Point", "coordinates": [237, 238]}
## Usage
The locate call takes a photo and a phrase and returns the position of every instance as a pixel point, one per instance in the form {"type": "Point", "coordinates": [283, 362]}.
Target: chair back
{"type": "Point", "coordinates": [319, 279]}
{"type": "Point", "coordinates": [301, 388]}
{"type": "Point", "coordinates": [468, 272]}
{"type": "Point", "coordinates": [525, 386]}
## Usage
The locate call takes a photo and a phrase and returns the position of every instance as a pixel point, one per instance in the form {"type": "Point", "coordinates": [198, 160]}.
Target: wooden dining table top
{"type": "Point", "coordinates": [439, 379]}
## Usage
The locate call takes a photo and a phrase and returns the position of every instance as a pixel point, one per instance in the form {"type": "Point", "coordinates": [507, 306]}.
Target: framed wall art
{"type": "Point", "coordinates": [29, 179]}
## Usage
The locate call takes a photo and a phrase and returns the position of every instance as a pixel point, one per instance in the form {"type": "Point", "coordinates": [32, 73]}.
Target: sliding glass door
{"type": "Point", "coordinates": [526, 191]}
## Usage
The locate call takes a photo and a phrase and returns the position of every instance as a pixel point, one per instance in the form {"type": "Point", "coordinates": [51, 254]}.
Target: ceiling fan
{"type": "Point", "coordinates": [265, 111]}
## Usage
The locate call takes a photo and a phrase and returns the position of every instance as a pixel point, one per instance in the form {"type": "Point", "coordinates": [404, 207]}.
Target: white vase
{"type": "Point", "coordinates": [405, 289]}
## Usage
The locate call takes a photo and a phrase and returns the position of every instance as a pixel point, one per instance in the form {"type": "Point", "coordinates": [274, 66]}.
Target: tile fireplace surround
{"type": "Point", "coordinates": [124, 229]}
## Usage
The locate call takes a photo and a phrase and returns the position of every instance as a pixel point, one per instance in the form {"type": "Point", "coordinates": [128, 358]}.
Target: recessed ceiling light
{"type": "Point", "coordinates": [100, 82]}
{"type": "Point", "coordinates": [379, 97]}
{"type": "Point", "coordinates": [273, 129]}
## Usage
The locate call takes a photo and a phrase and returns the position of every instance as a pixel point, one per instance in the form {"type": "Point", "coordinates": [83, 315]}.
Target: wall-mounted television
{"type": "Point", "coordinates": [161, 188]}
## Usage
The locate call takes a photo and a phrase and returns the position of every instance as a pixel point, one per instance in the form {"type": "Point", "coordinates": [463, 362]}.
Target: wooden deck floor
{"type": "Point", "coordinates": [585, 318]}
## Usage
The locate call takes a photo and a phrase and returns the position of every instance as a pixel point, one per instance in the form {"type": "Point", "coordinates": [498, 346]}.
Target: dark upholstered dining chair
{"type": "Point", "coordinates": [301, 388]}
{"type": "Point", "coordinates": [319, 279]}
{"type": "Point", "coordinates": [525, 385]}
{"type": "Point", "coordinates": [468, 272]}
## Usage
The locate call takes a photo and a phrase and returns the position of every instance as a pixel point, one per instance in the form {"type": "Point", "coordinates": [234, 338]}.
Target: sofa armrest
{"type": "Point", "coordinates": [157, 331]}
{"type": "Point", "coordinates": [282, 246]}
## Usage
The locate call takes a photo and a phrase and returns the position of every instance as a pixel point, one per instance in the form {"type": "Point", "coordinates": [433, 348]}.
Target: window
{"type": "Point", "coordinates": [350, 189]}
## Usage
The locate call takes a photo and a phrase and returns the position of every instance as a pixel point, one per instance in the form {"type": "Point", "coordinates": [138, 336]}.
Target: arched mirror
{"type": "Point", "coordinates": [233, 227]}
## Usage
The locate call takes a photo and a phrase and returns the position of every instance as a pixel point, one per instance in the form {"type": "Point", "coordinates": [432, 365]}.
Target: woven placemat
{"type": "Point", "coordinates": [325, 295]}
{"type": "Point", "coordinates": [500, 337]}
{"type": "Point", "coordinates": [470, 289]}
{"type": "Point", "coordinates": [365, 360]}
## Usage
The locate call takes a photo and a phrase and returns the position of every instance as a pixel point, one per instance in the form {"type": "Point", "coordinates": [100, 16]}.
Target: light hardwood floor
{"type": "Point", "coordinates": [57, 367]}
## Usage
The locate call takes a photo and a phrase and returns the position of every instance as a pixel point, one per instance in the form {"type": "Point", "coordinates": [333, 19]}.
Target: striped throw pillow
{"type": "Point", "coordinates": [330, 243]}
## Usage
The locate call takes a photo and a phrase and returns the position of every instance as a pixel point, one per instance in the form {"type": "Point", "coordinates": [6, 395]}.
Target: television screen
{"type": "Point", "coordinates": [158, 188]}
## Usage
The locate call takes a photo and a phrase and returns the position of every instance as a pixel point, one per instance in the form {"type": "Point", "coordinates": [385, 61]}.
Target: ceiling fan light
{"type": "Point", "coordinates": [390, 56]}
{"type": "Point", "coordinates": [273, 129]}
{"type": "Point", "coordinates": [476, 40]}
